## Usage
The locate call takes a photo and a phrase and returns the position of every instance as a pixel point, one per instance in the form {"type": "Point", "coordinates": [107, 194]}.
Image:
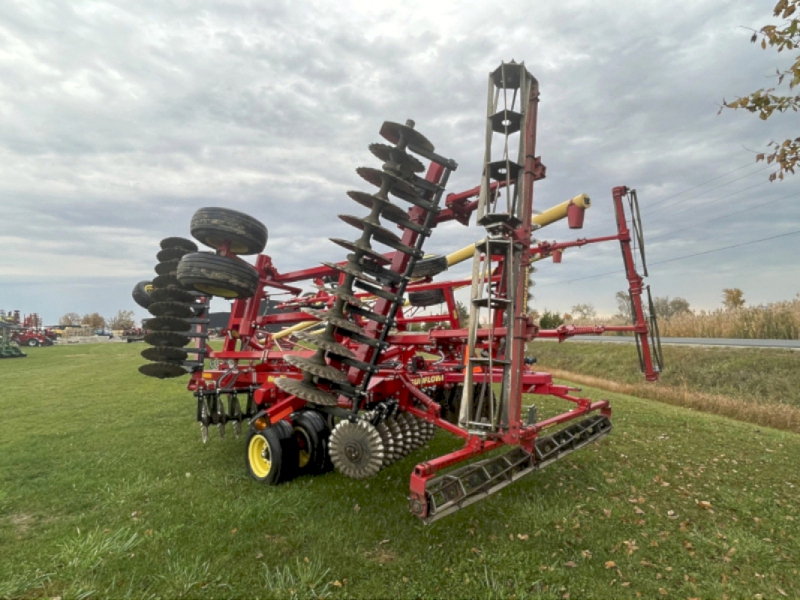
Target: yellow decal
{"type": "Point", "coordinates": [428, 379]}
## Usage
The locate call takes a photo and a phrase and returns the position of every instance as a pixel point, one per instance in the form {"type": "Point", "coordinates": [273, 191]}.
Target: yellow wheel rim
{"type": "Point", "coordinates": [235, 248]}
{"type": "Point", "coordinates": [258, 456]}
{"type": "Point", "coordinates": [216, 291]}
{"type": "Point", "coordinates": [304, 443]}
{"type": "Point", "coordinates": [148, 288]}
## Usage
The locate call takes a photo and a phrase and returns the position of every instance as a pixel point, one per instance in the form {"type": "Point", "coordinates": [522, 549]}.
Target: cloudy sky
{"type": "Point", "coordinates": [119, 119]}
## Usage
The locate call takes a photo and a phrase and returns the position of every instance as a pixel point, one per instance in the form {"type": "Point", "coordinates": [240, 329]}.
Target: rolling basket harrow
{"type": "Point", "coordinates": [338, 378]}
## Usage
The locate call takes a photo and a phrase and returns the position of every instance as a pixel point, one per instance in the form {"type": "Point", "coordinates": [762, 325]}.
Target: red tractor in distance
{"type": "Point", "coordinates": [342, 377]}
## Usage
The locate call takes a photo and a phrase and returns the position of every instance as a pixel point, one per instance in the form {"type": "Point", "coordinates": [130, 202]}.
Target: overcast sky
{"type": "Point", "coordinates": [119, 119]}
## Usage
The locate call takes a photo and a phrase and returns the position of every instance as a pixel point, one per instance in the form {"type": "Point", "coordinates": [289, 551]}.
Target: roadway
{"type": "Point", "coordinates": [735, 343]}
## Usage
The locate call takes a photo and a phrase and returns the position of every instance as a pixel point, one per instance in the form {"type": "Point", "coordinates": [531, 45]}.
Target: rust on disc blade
{"type": "Point", "coordinates": [363, 249]}
{"type": "Point", "coordinates": [390, 211]}
{"type": "Point", "coordinates": [307, 392]}
{"type": "Point", "coordinates": [391, 154]}
{"type": "Point", "coordinates": [315, 368]}
{"type": "Point", "coordinates": [321, 341]}
{"type": "Point", "coordinates": [393, 131]}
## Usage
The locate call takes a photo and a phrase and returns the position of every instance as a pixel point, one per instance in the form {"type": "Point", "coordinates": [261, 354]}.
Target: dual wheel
{"type": "Point", "coordinates": [286, 450]}
{"type": "Point", "coordinates": [217, 275]}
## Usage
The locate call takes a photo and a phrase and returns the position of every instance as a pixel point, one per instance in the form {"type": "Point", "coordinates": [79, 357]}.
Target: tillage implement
{"type": "Point", "coordinates": [364, 369]}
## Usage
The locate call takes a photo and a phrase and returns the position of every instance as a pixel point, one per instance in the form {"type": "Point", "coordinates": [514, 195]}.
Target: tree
{"type": "Point", "coordinates": [785, 36]}
{"type": "Point", "coordinates": [463, 313]}
{"type": "Point", "coordinates": [122, 320]}
{"type": "Point", "coordinates": [550, 320]}
{"type": "Point", "coordinates": [666, 308]}
{"type": "Point", "coordinates": [624, 308]}
{"type": "Point", "coordinates": [94, 320]}
{"type": "Point", "coordinates": [584, 311]}
{"type": "Point", "coordinates": [732, 298]}
{"type": "Point", "coordinates": [70, 319]}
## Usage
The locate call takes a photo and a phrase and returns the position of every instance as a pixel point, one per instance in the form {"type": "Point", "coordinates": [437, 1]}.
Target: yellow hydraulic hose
{"type": "Point", "coordinates": [551, 215]}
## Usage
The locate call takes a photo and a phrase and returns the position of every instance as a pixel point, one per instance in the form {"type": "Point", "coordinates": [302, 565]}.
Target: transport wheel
{"type": "Point", "coordinates": [428, 267]}
{"type": "Point", "coordinates": [272, 454]}
{"type": "Point", "coordinates": [32, 342]}
{"type": "Point", "coordinates": [217, 275]}
{"type": "Point", "coordinates": [178, 242]}
{"type": "Point", "coordinates": [426, 298]}
{"type": "Point", "coordinates": [141, 293]}
{"type": "Point", "coordinates": [218, 226]}
{"type": "Point", "coordinates": [312, 434]}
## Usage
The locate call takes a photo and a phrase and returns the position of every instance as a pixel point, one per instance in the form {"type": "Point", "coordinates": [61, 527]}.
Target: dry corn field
{"type": "Point", "coordinates": [776, 321]}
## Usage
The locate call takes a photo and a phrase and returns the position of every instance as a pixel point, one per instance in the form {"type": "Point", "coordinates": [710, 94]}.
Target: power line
{"type": "Point", "coordinates": [658, 237]}
{"type": "Point", "coordinates": [702, 184]}
{"type": "Point", "coordinates": [774, 237]}
{"type": "Point", "coordinates": [661, 262]}
{"type": "Point", "coordinates": [608, 217]}
{"type": "Point", "coordinates": [719, 198]}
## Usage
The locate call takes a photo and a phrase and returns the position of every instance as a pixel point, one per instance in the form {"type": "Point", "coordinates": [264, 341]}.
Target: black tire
{"type": "Point", "coordinates": [180, 310]}
{"type": "Point", "coordinates": [428, 267]}
{"type": "Point", "coordinates": [141, 293]}
{"type": "Point", "coordinates": [217, 275]}
{"type": "Point", "coordinates": [168, 266]}
{"type": "Point", "coordinates": [312, 435]}
{"type": "Point", "coordinates": [216, 226]}
{"type": "Point", "coordinates": [33, 342]}
{"type": "Point", "coordinates": [172, 294]}
{"type": "Point", "coordinates": [165, 354]}
{"type": "Point", "coordinates": [166, 338]}
{"type": "Point", "coordinates": [280, 445]}
{"type": "Point", "coordinates": [178, 242]}
{"type": "Point", "coordinates": [173, 253]}
{"type": "Point", "coordinates": [426, 298]}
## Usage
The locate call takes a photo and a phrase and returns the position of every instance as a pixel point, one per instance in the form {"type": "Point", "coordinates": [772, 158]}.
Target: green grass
{"type": "Point", "coordinates": [107, 491]}
{"type": "Point", "coordinates": [751, 375]}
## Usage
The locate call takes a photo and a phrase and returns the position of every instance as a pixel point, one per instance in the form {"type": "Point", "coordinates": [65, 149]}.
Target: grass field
{"type": "Point", "coordinates": [761, 386]}
{"type": "Point", "coordinates": [106, 491]}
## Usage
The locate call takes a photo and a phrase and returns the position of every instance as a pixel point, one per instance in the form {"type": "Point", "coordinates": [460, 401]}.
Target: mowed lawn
{"type": "Point", "coordinates": [107, 491]}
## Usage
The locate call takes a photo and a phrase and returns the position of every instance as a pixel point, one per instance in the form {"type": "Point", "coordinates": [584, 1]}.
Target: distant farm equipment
{"type": "Point", "coordinates": [346, 383]}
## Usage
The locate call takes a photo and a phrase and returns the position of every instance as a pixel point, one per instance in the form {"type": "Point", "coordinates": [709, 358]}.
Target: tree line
{"type": "Point", "coordinates": [122, 320]}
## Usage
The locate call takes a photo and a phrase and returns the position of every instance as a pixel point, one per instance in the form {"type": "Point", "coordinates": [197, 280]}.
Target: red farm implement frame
{"type": "Point", "coordinates": [340, 377]}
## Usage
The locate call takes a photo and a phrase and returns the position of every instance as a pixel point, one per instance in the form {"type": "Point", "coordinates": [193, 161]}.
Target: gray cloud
{"type": "Point", "coordinates": [120, 119]}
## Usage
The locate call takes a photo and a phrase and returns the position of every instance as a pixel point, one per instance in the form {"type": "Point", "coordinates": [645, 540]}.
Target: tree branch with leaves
{"type": "Point", "coordinates": [765, 102]}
